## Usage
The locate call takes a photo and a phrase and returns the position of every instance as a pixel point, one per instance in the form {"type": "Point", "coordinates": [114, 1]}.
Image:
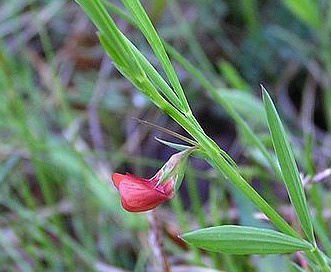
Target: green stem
{"type": "Point", "coordinates": [223, 103]}
{"type": "Point", "coordinates": [218, 162]}
{"type": "Point", "coordinates": [318, 257]}
{"type": "Point", "coordinates": [204, 83]}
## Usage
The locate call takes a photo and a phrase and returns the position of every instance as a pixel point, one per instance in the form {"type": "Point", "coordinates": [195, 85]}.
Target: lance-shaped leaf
{"type": "Point", "coordinates": [145, 25]}
{"type": "Point", "coordinates": [244, 240]}
{"type": "Point", "coordinates": [288, 167]}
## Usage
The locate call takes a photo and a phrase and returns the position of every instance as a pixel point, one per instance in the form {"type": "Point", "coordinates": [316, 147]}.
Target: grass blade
{"type": "Point", "coordinates": [147, 28]}
{"type": "Point", "coordinates": [288, 167]}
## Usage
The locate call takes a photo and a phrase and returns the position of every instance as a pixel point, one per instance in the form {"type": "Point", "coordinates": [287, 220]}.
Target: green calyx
{"type": "Point", "coordinates": [175, 168]}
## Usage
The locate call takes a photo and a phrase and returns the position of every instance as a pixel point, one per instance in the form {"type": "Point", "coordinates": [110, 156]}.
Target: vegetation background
{"type": "Point", "coordinates": [66, 124]}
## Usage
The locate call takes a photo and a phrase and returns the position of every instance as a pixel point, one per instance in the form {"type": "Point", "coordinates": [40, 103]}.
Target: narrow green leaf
{"type": "Point", "coordinates": [196, 153]}
{"type": "Point", "coordinates": [148, 69]}
{"type": "Point", "coordinates": [179, 147]}
{"type": "Point", "coordinates": [244, 240]}
{"type": "Point", "coordinates": [147, 28]}
{"type": "Point", "coordinates": [288, 167]}
{"type": "Point", "coordinates": [107, 27]}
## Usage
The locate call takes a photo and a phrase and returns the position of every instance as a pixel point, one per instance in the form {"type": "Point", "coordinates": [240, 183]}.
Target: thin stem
{"type": "Point", "coordinates": [317, 255]}
{"type": "Point", "coordinates": [208, 86]}
{"type": "Point", "coordinates": [222, 102]}
{"type": "Point", "coordinates": [218, 162]}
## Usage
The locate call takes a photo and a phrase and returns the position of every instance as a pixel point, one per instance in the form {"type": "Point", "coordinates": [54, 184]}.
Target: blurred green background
{"type": "Point", "coordinates": [66, 124]}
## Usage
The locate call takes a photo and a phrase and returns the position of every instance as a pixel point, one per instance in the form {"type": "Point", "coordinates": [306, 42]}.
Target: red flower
{"type": "Point", "coordinates": [139, 195]}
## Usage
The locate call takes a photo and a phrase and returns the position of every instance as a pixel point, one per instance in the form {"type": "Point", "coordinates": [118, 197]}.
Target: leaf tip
{"type": "Point", "coordinates": [264, 91]}
{"type": "Point", "coordinates": [185, 237]}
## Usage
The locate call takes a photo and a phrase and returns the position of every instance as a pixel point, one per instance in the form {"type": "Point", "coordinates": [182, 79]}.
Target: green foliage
{"type": "Point", "coordinates": [288, 167]}
{"type": "Point", "coordinates": [66, 125]}
{"type": "Point", "coordinates": [213, 154]}
{"type": "Point", "coordinates": [244, 240]}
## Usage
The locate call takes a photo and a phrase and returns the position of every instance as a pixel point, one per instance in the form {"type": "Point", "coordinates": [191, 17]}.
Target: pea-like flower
{"type": "Point", "coordinates": [139, 194]}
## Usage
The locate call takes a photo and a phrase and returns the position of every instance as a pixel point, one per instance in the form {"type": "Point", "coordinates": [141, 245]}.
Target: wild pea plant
{"type": "Point", "coordinates": [170, 99]}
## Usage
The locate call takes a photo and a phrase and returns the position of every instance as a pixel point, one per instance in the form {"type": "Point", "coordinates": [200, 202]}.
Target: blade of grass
{"type": "Point", "coordinates": [37, 226]}
{"type": "Point", "coordinates": [120, 50]}
{"type": "Point", "coordinates": [323, 237]}
{"type": "Point", "coordinates": [147, 28]}
{"type": "Point", "coordinates": [104, 23]}
{"type": "Point", "coordinates": [142, 83]}
{"type": "Point", "coordinates": [288, 167]}
{"type": "Point", "coordinates": [20, 114]}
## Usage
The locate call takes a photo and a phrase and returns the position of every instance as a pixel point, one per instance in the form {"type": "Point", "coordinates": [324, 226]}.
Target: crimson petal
{"type": "Point", "coordinates": [139, 196]}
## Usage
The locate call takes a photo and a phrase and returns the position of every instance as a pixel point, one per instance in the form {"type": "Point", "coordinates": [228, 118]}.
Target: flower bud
{"type": "Point", "coordinates": [139, 194]}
